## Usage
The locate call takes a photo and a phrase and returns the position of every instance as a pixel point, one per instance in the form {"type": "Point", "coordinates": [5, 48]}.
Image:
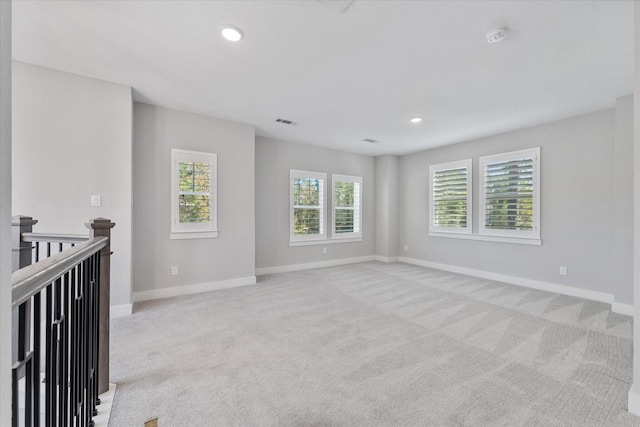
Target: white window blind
{"type": "Point", "coordinates": [347, 206]}
{"type": "Point", "coordinates": [307, 217]}
{"type": "Point", "coordinates": [450, 196]}
{"type": "Point", "coordinates": [510, 194]}
{"type": "Point", "coordinates": [193, 194]}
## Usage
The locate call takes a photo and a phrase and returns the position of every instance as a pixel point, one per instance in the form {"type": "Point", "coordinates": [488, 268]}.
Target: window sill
{"type": "Point", "coordinates": [518, 241]}
{"type": "Point", "coordinates": [324, 241]}
{"type": "Point", "coordinates": [181, 235]}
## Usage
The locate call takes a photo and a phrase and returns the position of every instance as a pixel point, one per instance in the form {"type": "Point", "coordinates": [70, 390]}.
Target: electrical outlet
{"type": "Point", "coordinates": [174, 270]}
{"type": "Point", "coordinates": [324, 250]}
{"type": "Point", "coordinates": [406, 248]}
{"type": "Point", "coordinates": [563, 270]}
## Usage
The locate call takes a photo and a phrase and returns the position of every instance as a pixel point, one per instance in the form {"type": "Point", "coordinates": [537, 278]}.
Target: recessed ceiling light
{"type": "Point", "coordinates": [231, 33]}
{"type": "Point", "coordinates": [416, 120]}
{"type": "Point", "coordinates": [497, 34]}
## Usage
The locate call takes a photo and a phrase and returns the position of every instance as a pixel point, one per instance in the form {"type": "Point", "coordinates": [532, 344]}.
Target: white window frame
{"type": "Point", "coordinates": [357, 218]}
{"type": "Point", "coordinates": [439, 230]}
{"type": "Point", "coordinates": [322, 177]}
{"type": "Point", "coordinates": [512, 235]}
{"type": "Point", "coordinates": [198, 230]}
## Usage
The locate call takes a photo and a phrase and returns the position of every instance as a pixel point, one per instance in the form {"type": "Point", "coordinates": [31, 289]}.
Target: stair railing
{"type": "Point", "coordinates": [60, 323]}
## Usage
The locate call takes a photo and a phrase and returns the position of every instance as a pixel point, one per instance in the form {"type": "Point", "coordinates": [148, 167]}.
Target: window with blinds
{"type": "Point", "coordinates": [450, 196]}
{"type": "Point", "coordinates": [193, 184]}
{"type": "Point", "coordinates": [307, 205]}
{"type": "Point", "coordinates": [347, 206]}
{"type": "Point", "coordinates": [510, 194]}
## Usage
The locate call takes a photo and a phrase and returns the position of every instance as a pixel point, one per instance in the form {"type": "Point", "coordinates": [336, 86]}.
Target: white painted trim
{"type": "Point", "coordinates": [387, 258]}
{"type": "Point", "coordinates": [104, 410]}
{"type": "Point", "coordinates": [634, 397]}
{"type": "Point", "coordinates": [193, 289]}
{"type": "Point", "coordinates": [517, 240]}
{"type": "Point", "coordinates": [326, 241]}
{"type": "Point", "coordinates": [621, 308]}
{"type": "Point", "coordinates": [520, 281]}
{"type": "Point", "coordinates": [179, 235]}
{"type": "Point", "coordinates": [634, 401]}
{"type": "Point", "coordinates": [307, 266]}
{"type": "Point", "coordinates": [121, 310]}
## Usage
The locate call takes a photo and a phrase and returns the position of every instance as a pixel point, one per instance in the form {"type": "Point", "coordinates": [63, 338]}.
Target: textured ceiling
{"type": "Point", "coordinates": [344, 77]}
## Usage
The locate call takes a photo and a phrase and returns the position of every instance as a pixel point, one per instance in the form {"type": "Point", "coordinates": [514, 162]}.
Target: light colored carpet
{"type": "Point", "coordinates": [372, 344]}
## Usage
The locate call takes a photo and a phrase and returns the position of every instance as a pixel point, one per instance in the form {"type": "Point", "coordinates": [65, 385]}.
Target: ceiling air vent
{"type": "Point", "coordinates": [371, 141]}
{"type": "Point", "coordinates": [285, 122]}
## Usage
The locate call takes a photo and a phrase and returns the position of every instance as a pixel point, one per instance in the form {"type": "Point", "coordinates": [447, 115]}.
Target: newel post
{"type": "Point", "coordinates": [102, 227]}
{"type": "Point", "coordinates": [21, 251]}
{"type": "Point", "coordinates": [21, 254]}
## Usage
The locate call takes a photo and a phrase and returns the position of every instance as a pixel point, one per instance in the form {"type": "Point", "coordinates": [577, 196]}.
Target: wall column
{"type": "Point", "coordinates": [634, 392]}
{"type": "Point", "coordinates": [387, 203]}
{"type": "Point", "coordinates": [5, 212]}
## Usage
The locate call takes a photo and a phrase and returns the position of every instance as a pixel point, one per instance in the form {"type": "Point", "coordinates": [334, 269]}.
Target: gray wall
{"type": "Point", "coordinates": [622, 273]}
{"type": "Point", "coordinates": [156, 131]}
{"type": "Point", "coordinates": [72, 139]}
{"type": "Point", "coordinates": [387, 205]}
{"type": "Point", "coordinates": [634, 393]}
{"type": "Point", "coordinates": [577, 205]}
{"type": "Point", "coordinates": [274, 159]}
{"type": "Point", "coordinates": [5, 212]}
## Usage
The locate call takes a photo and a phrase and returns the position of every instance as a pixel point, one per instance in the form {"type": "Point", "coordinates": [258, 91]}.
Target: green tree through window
{"type": "Point", "coordinates": [195, 192]}
{"type": "Point", "coordinates": [345, 207]}
{"type": "Point", "coordinates": [509, 195]}
{"type": "Point", "coordinates": [306, 211]}
{"type": "Point", "coordinates": [450, 194]}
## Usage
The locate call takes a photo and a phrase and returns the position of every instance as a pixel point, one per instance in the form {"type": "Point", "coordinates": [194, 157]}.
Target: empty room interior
{"type": "Point", "coordinates": [335, 213]}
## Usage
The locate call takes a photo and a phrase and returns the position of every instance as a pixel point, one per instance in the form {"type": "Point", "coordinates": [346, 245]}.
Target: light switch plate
{"type": "Point", "coordinates": [96, 201]}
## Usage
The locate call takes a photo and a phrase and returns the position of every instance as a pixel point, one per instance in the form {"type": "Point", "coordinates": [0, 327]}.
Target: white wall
{"type": "Point", "coordinates": [387, 204]}
{"type": "Point", "coordinates": [201, 262]}
{"type": "Point", "coordinates": [72, 139]}
{"type": "Point", "coordinates": [274, 159]}
{"type": "Point", "coordinates": [577, 206]}
{"type": "Point", "coordinates": [5, 212]}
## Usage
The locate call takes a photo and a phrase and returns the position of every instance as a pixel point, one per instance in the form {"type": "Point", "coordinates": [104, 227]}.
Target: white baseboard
{"type": "Point", "coordinates": [193, 289]}
{"type": "Point", "coordinates": [106, 404]}
{"type": "Point", "coordinates": [520, 281]}
{"type": "Point", "coordinates": [634, 401]}
{"type": "Point", "coordinates": [387, 258]}
{"type": "Point", "coordinates": [120, 310]}
{"type": "Point", "coordinates": [309, 265]}
{"type": "Point", "coordinates": [620, 308]}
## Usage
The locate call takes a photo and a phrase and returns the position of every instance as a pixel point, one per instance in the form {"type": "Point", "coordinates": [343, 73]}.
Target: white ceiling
{"type": "Point", "coordinates": [344, 77]}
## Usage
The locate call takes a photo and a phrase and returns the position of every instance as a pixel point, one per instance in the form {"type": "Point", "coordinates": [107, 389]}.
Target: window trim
{"type": "Point", "coordinates": [468, 163]}
{"type": "Point", "coordinates": [531, 242]}
{"type": "Point", "coordinates": [534, 234]}
{"type": "Point", "coordinates": [345, 178]}
{"type": "Point", "coordinates": [193, 231]}
{"type": "Point", "coordinates": [293, 173]}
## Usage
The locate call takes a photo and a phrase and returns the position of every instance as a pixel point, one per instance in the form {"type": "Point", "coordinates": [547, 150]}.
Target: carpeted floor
{"type": "Point", "coordinates": [372, 344]}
